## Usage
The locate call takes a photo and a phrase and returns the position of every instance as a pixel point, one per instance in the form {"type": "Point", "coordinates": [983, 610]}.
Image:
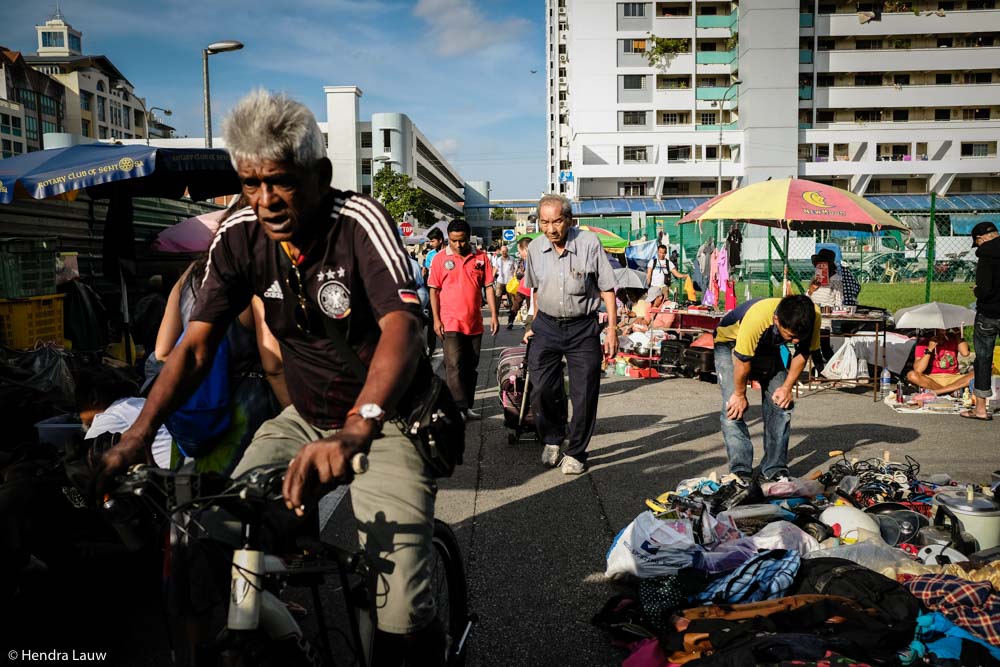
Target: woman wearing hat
{"type": "Point", "coordinates": [827, 287]}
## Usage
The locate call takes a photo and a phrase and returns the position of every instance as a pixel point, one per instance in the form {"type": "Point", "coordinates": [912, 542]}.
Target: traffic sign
{"type": "Point", "coordinates": [508, 235]}
{"type": "Point", "coordinates": [565, 176]}
{"type": "Point", "coordinates": [406, 229]}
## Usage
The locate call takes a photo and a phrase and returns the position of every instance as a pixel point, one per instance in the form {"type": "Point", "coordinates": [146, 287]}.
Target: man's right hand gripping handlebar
{"type": "Point", "coordinates": [330, 461]}
{"type": "Point", "coordinates": [132, 448]}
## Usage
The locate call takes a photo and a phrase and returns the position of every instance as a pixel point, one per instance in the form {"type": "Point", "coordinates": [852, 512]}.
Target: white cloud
{"type": "Point", "coordinates": [459, 26]}
{"type": "Point", "coordinates": [448, 146]}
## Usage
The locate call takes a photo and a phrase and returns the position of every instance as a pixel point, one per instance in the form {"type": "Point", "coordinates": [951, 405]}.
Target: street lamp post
{"type": "Point", "coordinates": [166, 112]}
{"type": "Point", "coordinates": [212, 49]}
{"type": "Point", "coordinates": [718, 184]}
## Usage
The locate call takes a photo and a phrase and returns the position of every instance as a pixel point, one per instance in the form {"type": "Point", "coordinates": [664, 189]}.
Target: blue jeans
{"type": "Point", "coordinates": [777, 422]}
{"type": "Point", "coordinates": [984, 337]}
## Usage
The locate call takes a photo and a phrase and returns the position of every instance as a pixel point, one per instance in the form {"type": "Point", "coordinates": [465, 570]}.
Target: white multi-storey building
{"type": "Point", "coordinates": [900, 96]}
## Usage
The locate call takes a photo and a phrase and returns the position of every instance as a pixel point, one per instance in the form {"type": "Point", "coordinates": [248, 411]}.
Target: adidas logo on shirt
{"type": "Point", "coordinates": [274, 291]}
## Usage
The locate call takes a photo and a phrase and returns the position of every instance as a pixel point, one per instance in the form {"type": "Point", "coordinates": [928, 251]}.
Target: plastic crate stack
{"type": "Point", "coordinates": [30, 310]}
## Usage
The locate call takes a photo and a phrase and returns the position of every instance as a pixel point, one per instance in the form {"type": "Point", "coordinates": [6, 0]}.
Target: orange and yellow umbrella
{"type": "Point", "coordinates": [793, 203]}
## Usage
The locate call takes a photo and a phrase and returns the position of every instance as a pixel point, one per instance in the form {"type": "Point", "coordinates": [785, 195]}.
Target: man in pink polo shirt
{"type": "Point", "coordinates": [457, 278]}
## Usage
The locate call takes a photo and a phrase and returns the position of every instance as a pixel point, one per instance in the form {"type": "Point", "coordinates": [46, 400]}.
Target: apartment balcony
{"type": "Point", "coordinates": [685, 169]}
{"type": "Point", "coordinates": [905, 23]}
{"type": "Point", "coordinates": [915, 166]}
{"type": "Point", "coordinates": [715, 57]}
{"type": "Point", "coordinates": [674, 26]}
{"type": "Point", "coordinates": [723, 21]}
{"type": "Point", "coordinates": [716, 128]}
{"type": "Point", "coordinates": [805, 56]}
{"type": "Point", "coordinates": [677, 63]}
{"type": "Point", "coordinates": [851, 97]}
{"type": "Point", "coordinates": [805, 92]}
{"type": "Point", "coordinates": [908, 60]}
{"type": "Point", "coordinates": [673, 98]}
{"type": "Point", "coordinates": [806, 20]}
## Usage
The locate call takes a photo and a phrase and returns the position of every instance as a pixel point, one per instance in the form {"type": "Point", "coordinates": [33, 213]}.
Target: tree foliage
{"type": "Point", "coordinates": [398, 196]}
{"type": "Point", "coordinates": [501, 214]}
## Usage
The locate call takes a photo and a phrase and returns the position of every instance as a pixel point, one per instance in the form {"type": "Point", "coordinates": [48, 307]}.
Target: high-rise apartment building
{"type": "Point", "coordinates": [668, 98]}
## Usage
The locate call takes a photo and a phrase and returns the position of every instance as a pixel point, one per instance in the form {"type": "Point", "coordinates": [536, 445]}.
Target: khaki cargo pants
{"type": "Point", "coordinates": [393, 505]}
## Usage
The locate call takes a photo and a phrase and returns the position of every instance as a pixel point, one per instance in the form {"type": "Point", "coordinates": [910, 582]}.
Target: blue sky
{"type": "Point", "coordinates": [461, 69]}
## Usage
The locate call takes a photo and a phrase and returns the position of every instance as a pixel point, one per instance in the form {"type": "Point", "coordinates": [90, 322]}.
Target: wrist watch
{"type": "Point", "coordinates": [370, 412]}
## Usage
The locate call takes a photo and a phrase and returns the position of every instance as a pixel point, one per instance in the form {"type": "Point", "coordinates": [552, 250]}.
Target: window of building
{"type": "Point", "coordinates": [824, 116]}
{"type": "Point", "coordinates": [127, 118]}
{"type": "Point", "coordinates": [670, 118]}
{"type": "Point", "coordinates": [6, 148]}
{"type": "Point", "coordinates": [53, 39]}
{"type": "Point", "coordinates": [825, 80]}
{"type": "Point", "coordinates": [86, 100]}
{"type": "Point", "coordinates": [708, 187]}
{"type": "Point", "coordinates": [633, 82]}
{"type": "Point", "coordinates": [562, 119]}
{"type": "Point", "coordinates": [944, 42]}
{"type": "Point", "coordinates": [805, 152]}
{"type": "Point", "coordinates": [678, 153]}
{"type": "Point", "coordinates": [633, 46]}
{"type": "Point", "coordinates": [366, 166]}
{"type": "Point", "coordinates": [976, 114]}
{"type": "Point", "coordinates": [827, 8]}
{"type": "Point", "coordinates": [562, 95]}
{"type": "Point", "coordinates": [671, 188]}
{"type": "Point", "coordinates": [942, 78]}
{"type": "Point", "coordinates": [707, 118]}
{"type": "Point", "coordinates": [942, 114]}
{"type": "Point", "coordinates": [826, 44]}
{"type": "Point", "coordinates": [366, 188]}
{"type": "Point", "coordinates": [981, 4]}
{"type": "Point", "coordinates": [74, 42]}
{"type": "Point", "coordinates": [868, 44]}
{"type": "Point", "coordinates": [874, 188]}
{"type": "Point", "coordinates": [49, 127]}
{"type": "Point", "coordinates": [565, 165]}
{"type": "Point", "coordinates": [708, 46]}
{"type": "Point", "coordinates": [901, 79]}
{"type": "Point", "coordinates": [102, 132]}
{"type": "Point", "coordinates": [100, 86]}
{"type": "Point", "coordinates": [85, 127]}
{"type": "Point", "coordinates": [946, 6]}
{"type": "Point", "coordinates": [898, 186]}
{"type": "Point", "coordinates": [900, 115]}
{"type": "Point", "coordinates": [672, 82]}
{"type": "Point", "coordinates": [868, 79]}
{"type": "Point", "coordinates": [366, 139]}
{"type": "Point", "coordinates": [5, 123]}
{"type": "Point", "coordinates": [964, 184]}
{"type": "Point", "coordinates": [101, 112]}
{"type": "Point", "coordinates": [386, 139]}
{"type": "Point", "coordinates": [711, 152]}
{"type": "Point", "coordinates": [635, 154]}
{"type": "Point", "coordinates": [977, 149]}
{"type": "Point", "coordinates": [706, 82]}
{"type": "Point", "coordinates": [978, 77]}
{"type": "Point", "coordinates": [634, 9]}
{"type": "Point", "coordinates": [31, 128]}
{"type": "Point", "coordinates": [633, 189]}
{"type": "Point", "coordinates": [27, 98]}
{"type": "Point", "coordinates": [867, 115]}
{"type": "Point", "coordinates": [633, 118]}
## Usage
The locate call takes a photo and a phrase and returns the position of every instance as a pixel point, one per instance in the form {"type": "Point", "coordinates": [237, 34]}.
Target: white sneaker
{"type": "Point", "coordinates": [571, 466]}
{"type": "Point", "coordinates": [471, 416]}
{"type": "Point", "coordinates": [550, 455]}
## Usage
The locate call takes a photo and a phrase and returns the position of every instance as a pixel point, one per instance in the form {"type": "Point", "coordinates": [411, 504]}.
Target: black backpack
{"type": "Point", "coordinates": [896, 607]}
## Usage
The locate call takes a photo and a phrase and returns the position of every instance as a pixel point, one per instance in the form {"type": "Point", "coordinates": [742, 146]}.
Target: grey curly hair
{"type": "Point", "coordinates": [272, 126]}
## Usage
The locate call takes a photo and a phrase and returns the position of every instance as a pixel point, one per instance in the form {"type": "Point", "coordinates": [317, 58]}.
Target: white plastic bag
{"type": "Point", "coordinates": [845, 365]}
{"type": "Point", "coordinates": [784, 535]}
{"type": "Point", "coordinates": [651, 547]}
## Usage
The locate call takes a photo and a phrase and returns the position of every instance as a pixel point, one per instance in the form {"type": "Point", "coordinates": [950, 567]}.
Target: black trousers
{"type": "Point", "coordinates": [579, 341]}
{"type": "Point", "coordinates": [461, 361]}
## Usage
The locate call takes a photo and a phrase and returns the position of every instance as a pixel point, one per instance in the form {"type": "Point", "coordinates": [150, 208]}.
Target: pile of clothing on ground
{"type": "Point", "coordinates": [869, 563]}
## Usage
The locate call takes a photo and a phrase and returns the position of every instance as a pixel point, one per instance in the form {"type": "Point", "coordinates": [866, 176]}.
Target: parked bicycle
{"type": "Point", "coordinates": [260, 630]}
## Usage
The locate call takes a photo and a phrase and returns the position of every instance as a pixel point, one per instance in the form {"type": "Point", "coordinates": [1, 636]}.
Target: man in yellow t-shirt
{"type": "Point", "coordinates": [754, 342]}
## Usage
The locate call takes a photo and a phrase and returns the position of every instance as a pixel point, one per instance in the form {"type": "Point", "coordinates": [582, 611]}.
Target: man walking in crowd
{"type": "Point", "coordinates": [503, 271]}
{"type": "Point", "coordinates": [986, 240]}
{"type": "Point", "coordinates": [571, 275]}
{"type": "Point", "coordinates": [435, 239]}
{"type": "Point", "coordinates": [324, 262]}
{"type": "Point", "coordinates": [659, 270]}
{"type": "Point", "coordinates": [521, 293]}
{"type": "Point", "coordinates": [458, 276]}
{"type": "Point", "coordinates": [752, 343]}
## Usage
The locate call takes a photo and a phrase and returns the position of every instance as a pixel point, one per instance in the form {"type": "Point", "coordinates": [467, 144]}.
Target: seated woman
{"type": "Point", "coordinates": [832, 292]}
{"type": "Point", "coordinates": [935, 364]}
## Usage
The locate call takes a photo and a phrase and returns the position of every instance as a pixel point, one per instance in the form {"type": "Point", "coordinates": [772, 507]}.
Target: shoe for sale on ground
{"type": "Point", "coordinates": [550, 455]}
{"type": "Point", "coordinates": [471, 416]}
{"type": "Point", "coordinates": [571, 466]}
{"type": "Point", "coordinates": [742, 491]}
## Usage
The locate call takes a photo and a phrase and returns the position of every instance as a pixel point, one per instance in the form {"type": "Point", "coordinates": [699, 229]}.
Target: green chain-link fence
{"type": "Point", "coordinates": [934, 262]}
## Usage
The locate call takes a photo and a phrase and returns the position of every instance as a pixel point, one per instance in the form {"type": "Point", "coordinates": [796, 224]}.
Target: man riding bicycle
{"type": "Point", "coordinates": [320, 259]}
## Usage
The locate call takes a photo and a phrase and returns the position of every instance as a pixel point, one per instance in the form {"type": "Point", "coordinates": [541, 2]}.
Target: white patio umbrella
{"type": "Point", "coordinates": [630, 279]}
{"type": "Point", "coordinates": [934, 315]}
